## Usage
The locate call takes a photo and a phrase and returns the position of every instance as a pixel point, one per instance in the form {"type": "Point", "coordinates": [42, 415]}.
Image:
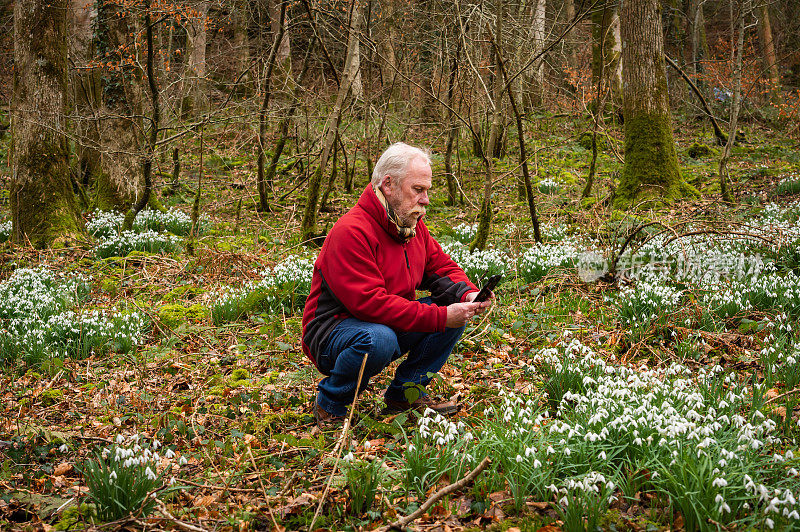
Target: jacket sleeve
{"type": "Point", "coordinates": [352, 274]}
{"type": "Point", "coordinates": [445, 279]}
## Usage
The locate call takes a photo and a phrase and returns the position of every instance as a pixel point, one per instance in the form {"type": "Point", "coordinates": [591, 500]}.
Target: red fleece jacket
{"type": "Point", "coordinates": [364, 271]}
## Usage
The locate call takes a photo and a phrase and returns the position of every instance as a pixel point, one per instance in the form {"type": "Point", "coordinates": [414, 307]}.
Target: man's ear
{"type": "Point", "coordinates": [386, 184]}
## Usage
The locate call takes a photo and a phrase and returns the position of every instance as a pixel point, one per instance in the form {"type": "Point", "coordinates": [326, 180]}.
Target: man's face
{"type": "Point", "coordinates": [408, 200]}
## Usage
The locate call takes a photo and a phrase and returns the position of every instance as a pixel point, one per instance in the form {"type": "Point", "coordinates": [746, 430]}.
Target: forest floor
{"type": "Point", "coordinates": [662, 399]}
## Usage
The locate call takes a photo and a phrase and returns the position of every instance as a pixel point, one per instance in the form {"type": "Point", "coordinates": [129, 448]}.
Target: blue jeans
{"type": "Point", "coordinates": [344, 350]}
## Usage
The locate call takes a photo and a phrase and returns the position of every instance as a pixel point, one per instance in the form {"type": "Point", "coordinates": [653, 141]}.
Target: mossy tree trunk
{"type": "Point", "coordinates": [485, 216]}
{"type": "Point", "coordinates": [451, 135]}
{"type": "Point", "coordinates": [309, 222]}
{"type": "Point", "coordinates": [42, 203]}
{"type": "Point", "coordinates": [737, 52]}
{"type": "Point", "coordinates": [651, 163]}
{"type": "Point", "coordinates": [194, 78]}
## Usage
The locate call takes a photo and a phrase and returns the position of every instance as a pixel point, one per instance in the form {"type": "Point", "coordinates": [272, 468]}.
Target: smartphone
{"type": "Point", "coordinates": [486, 289]}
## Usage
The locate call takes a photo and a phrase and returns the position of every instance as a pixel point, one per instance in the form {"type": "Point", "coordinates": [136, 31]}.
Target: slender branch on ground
{"type": "Point", "coordinates": [340, 443]}
{"type": "Point", "coordinates": [433, 499]}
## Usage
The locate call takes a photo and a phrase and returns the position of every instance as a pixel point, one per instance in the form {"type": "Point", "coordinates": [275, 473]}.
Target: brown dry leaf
{"type": "Point", "coordinates": [62, 469]}
{"type": "Point", "coordinates": [538, 505]}
{"type": "Point", "coordinates": [549, 528]}
{"type": "Point", "coordinates": [772, 393]}
{"type": "Point", "coordinates": [513, 529]}
{"type": "Point", "coordinates": [205, 500]}
{"type": "Point", "coordinates": [296, 504]}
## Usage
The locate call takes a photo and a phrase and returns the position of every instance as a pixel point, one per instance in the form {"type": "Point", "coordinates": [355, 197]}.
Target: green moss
{"type": "Point", "coordinates": [51, 397]}
{"type": "Point", "coordinates": [697, 150]}
{"type": "Point", "coordinates": [184, 292]}
{"type": "Point", "coordinates": [110, 286]}
{"type": "Point", "coordinates": [240, 377]}
{"type": "Point", "coordinates": [73, 517]}
{"type": "Point", "coordinates": [175, 314]}
{"type": "Point", "coordinates": [651, 175]}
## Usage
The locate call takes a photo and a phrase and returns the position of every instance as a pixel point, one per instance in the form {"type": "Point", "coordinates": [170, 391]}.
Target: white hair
{"type": "Point", "coordinates": [395, 160]}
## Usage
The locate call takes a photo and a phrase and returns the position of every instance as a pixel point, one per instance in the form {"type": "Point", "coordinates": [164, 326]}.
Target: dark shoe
{"type": "Point", "coordinates": [421, 404]}
{"type": "Point", "coordinates": [326, 421]}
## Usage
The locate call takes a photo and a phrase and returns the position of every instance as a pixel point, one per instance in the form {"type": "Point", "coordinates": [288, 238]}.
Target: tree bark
{"type": "Point", "coordinates": [451, 135]}
{"type": "Point", "coordinates": [194, 94]}
{"type": "Point", "coordinates": [651, 163]}
{"type": "Point", "coordinates": [737, 52]}
{"type": "Point", "coordinates": [309, 222]}
{"type": "Point", "coordinates": [119, 119]}
{"type": "Point", "coordinates": [283, 59]}
{"type": "Point", "coordinates": [85, 94]}
{"type": "Point", "coordinates": [42, 203]}
{"type": "Point", "coordinates": [607, 49]}
{"type": "Point", "coordinates": [768, 50]}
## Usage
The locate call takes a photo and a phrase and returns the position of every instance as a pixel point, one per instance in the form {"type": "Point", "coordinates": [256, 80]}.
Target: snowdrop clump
{"type": "Point", "coordinates": [548, 186]}
{"type": "Point", "coordinates": [542, 259]}
{"type": "Point", "coordinates": [479, 263]}
{"type": "Point", "coordinates": [124, 477]}
{"type": "Point", "coordinates": [5, 231]}
{"type": "Point", "coordinates": [770, 291]}
{"type": "Point", "coordinates": [120, 245]}
{"type": "Point", "coordinates": [789, 184]}
{"type": "Point", "coordinates": [108, 223]}
{"type": "Point", "coordinates": [646, 303]}
{"type": "Point", "coordinates": [37, 322]}
{"type": "Point", "coordinates": [288, 283]}
{"type": "Point", "coordinates": [464, 233]}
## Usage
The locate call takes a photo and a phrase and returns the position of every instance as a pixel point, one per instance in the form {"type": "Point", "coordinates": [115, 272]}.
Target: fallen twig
{"type": "Point", "coordinates": [340, 443]}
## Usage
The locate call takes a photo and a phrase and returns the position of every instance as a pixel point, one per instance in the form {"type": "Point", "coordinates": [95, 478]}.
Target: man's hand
{"type": "Point", "coordinates": [458, 314]}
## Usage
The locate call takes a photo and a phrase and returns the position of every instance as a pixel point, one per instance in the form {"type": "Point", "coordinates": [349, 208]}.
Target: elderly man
{"type": "Point", "coordinates": [363, 294]}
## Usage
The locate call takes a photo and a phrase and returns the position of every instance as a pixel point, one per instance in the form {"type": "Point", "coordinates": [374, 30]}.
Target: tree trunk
{"type": "Point", "coordinates": [119, 119]}
{"type": "Point", "coordinates": [537, 37]}
{"type": "Point", "coordinates": [485, 216]}
{"type": "Point", "coordinates": [42, 203]}
{"type": "Point", "coordinates": [737, 53]}
{"type": "Point", "coordinates": [283, 59]}
{"type": "Point", "coordinates": [194, 93]}
{"type": "Point", "coordinates": [309, 222]}
{"type": "Point", "coordinates": [607, 49]}
{"type": "Point", "coordinates": [768, 50]}
{"type": "Point", "coordinates": [261, 182]}
{"type": "Point", "coordinates": [241, 42]}
{"type": "Point", "coordinates": [387, 38]}
{"type": "Point", "coordinates": [451, 135]}
{"type": "Point", "coordinates": [85, 85]}
{"type": "Point", "coordinates": [651, 163]}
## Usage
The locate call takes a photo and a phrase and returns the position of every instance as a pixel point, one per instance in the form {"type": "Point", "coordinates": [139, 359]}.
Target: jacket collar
{"type": "Point", "coordinates": [371, 204]}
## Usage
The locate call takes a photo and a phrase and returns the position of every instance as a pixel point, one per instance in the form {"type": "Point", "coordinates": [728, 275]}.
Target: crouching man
{"type": "Point", "coordinates": [363, 294]}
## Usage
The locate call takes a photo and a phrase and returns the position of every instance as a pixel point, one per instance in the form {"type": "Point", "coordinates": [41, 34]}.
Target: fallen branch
{"type": "Point", "coordinates": [455, 486]}
{"type": "Point", "coordinates": [177, 522]}
{"type": "Point", "coordinates": [773, 399]}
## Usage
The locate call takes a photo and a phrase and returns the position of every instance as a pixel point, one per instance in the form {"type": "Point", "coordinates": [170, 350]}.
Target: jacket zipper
{"type": "Point", "coordinates": [405, 252]}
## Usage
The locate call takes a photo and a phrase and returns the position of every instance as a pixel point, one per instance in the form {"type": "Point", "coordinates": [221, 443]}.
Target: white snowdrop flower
{"type": "Point", "coordinates": [468, 437]}
{"type": "Point", "coordinates": [411, 448]}
{"type": "Point", "coordinates": [63, 448]}
{"type": "Point", "coordinates": [149, 473]}
{"type": "Point", "coordinates": [367, 445]}
{"type": "Point", "coordinates": [183, 461]}
{"type": "Point", "coordinates": [120, 439]}
{"type": "Point", "coordinates": [770, 523]}
{"type": "Point", "coordinates": [602, 455]}
{"type": "Point", "coordinates": [550, 449]}
{"type": "Point", "coordinates": [113, 475]}
{"type": "Point", "coordinates": [156, 444]}
{"type": "Point", "coordinates": [789, 455]}
{"type": "Point", "coordinates": [719, 482]}
{"type": "Point", "coordinates": [719, 498]}
{"type": "Point", "coordinates": [777, 458]}
{"type": "Point", "coordinates": [536, 463]}
{"type": "Point", "coordinates": [794, 515]}
{"type": "Point", "coordinates": [169, 454]}
{"type": "Point", "coordinates": [792, 472]}
{"type": "Point", "coordinates": [349, 457]}
{"type": "Point", "coordinates": [519, 459]}
{"type": "Point", "coordinates": [724, 508]}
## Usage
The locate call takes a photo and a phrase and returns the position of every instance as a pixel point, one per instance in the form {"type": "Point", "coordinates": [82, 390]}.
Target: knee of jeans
{"type": "Point", "coordinates": [380, 342]}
